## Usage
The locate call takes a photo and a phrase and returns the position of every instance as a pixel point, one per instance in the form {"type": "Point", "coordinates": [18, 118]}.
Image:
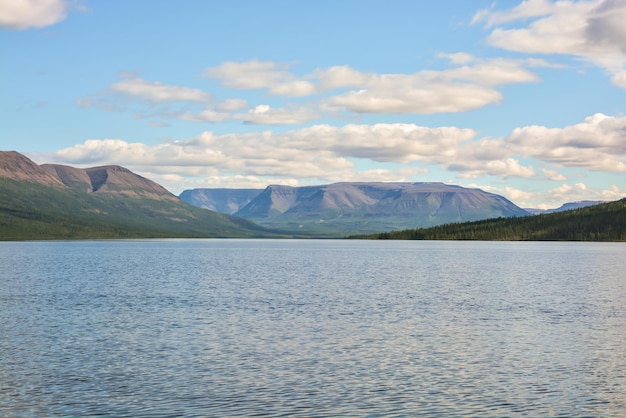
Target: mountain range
{"type": "Point", "coordinates": [355, 208]}
{"type": "Point", "coordinates": [57, 201]}
{"type": "Point", "coordinates": [52, 201]}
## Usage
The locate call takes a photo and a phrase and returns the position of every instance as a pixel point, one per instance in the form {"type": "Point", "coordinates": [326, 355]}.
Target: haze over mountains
{"type": "Point", "coordinates": [56, 201]}
{"type": "Point", "coordinates": [356, 207]}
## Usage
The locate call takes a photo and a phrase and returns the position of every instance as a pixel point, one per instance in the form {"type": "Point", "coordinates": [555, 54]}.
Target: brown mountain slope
{"type": "Point", "coordinates": [16, 166]}
{"type": "Point", "coordinates": [73, 177]}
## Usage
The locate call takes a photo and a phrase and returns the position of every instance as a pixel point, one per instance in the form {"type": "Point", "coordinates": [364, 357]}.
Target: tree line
{"type": "Point", "coordinates": [604, 222]}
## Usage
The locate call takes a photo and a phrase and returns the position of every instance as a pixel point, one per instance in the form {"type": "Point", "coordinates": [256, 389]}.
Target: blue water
{"type": "Point", "coordinates": [312, 328]}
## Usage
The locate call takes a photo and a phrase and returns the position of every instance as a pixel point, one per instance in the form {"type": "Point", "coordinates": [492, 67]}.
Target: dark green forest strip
{"type": "Point", "coordinates": [604, 222]}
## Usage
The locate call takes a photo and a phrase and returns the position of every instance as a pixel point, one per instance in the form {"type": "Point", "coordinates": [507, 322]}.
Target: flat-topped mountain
{"type": "Point", "coordinates": [361, 207]}
{"type": "Point", "coordinates": [57, 201]}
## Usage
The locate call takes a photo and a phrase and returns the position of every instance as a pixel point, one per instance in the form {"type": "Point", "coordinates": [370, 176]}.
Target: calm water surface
{"type": "Point", "coordinates": [312, 328]}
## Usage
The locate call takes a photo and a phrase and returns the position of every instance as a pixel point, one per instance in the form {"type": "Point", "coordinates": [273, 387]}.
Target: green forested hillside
{"type": "Point", "coordinates": [34, 211]}
{"type": "Point", "coordinates": [604, 222]}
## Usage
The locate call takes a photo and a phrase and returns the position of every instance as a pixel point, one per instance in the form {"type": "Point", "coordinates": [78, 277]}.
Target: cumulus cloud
{"type": "Point", "coordinates": [232, 105]}
{"type": "Point", "coordinates": [317, 152]}
{"type": "Point", "coordinates": [383, 142]}
{"type": "Point", "coordinates": [597, 143]}
{"type": "Point", "coordinates": [591, 30]}
{"type": "Point", "coordinates": [458, 89]}
{"type": "Point", "coordinates": [400, 97]}
{"type": "Point", "coordinates": [468, 86]}
{"type": "Point", "coordinates": [555, 197]}
{"type": "Point", "coordinates": [207, 115]}
{"type": "Point", "coordinates": [260, 74]}
{"type": "Point", "coordinates": [509, 167]}
{"type": "Point", "coordinates": [553, 175]}
{"type": "Point", "coordinates": [325, 153]}
{"type": "Point", "coordinates": [457, 58]}
{"type": "Point", "coordinates": [519, 197]}
{"type": "Point", "coordinates": [157, 92]}
{"type": "Point", "coordinates": [266, 115]}
{"type": "Point", "coordinates": [25, 14]}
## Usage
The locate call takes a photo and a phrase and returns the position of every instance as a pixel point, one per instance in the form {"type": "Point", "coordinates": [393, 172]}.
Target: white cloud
{"type": "Point", "coordinates": [519, 197]}
{"type": "Point", "coordinates": [596, 144]}
{"type": "Point", "coordinates": [248, 75]}
{"type": "Point", "coordinates": [553, 175]}
{"type": "Point", "coordinates": [493, 72]}
{"type": "Point", "coordinates": [619, 79]}
{"type": "Point", "coordinates": [579, 191]}
{"type": "Point", "coordinates": [232, 105]}
{"type": "Point", "coordinates": [325, 153]}
{"type": "Point", "coordinates": [526, 9]}
{"type": "Point", "coordinates": [383, 142]}
{"type": "Point", "coordinates": [206, 115]}
{"type": "Point", "coordinates": [459, 89]}
{"type": "Point", "coordinates": [509, 167]}
{"type": "Point", "coordinates": [462, 88]}
{"type": "Point", "coordinates": [591, 30]}
{"type": "Point", "coordinates": [458, 58]}
{"type": "Point", "coordinates": [260, 75]}
{"type": "Point", "coordinates": [554, 197]}
{"type": "Point", "coordinates": [24, 14]}
{"type": "Point", "coordinates": [613, 193]}
{"type": "Point", "coordinates": [400, 97]}
{"type": "Point", "coordinates": [156, 92]}
{"type": "Point", "coordinates": [318, 152]}
{"type": "Point", "coordinates": [265, 115]}
{"type": "Point", "coordinates": [340, 77]}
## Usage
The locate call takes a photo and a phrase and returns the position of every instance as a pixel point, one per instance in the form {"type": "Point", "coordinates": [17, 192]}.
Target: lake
{"type": "Point", "coordinates": [312, 328]}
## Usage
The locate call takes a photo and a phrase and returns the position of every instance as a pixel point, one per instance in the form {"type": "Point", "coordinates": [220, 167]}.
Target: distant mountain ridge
{"type": "Point", "coordinates": [575, 205]}
{"type": "Point", "coordinates": [57, 201]}
{"type": "Point", "coordinates": [361, 207]}
{"type": "Point", "coordinates": [222, 200]}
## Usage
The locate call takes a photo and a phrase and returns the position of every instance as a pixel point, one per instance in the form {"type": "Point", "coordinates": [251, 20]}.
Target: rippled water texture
{"type": "Point", "coordinates": [312, 328]}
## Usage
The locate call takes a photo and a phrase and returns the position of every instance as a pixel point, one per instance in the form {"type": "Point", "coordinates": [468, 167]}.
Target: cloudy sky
{"type": "Point", "coordinates": [522, 98]}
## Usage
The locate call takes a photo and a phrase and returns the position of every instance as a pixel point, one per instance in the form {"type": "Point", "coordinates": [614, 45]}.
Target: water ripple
{"type": "Point", "coordinates": [312, 329]}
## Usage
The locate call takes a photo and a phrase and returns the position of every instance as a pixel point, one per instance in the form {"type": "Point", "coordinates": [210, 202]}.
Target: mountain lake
{"type": "Point", "coordinates": [312, 328]}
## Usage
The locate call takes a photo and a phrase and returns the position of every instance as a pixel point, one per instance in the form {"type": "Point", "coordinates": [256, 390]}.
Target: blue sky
{"type": "Point", "coordinates": [520, 98]}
